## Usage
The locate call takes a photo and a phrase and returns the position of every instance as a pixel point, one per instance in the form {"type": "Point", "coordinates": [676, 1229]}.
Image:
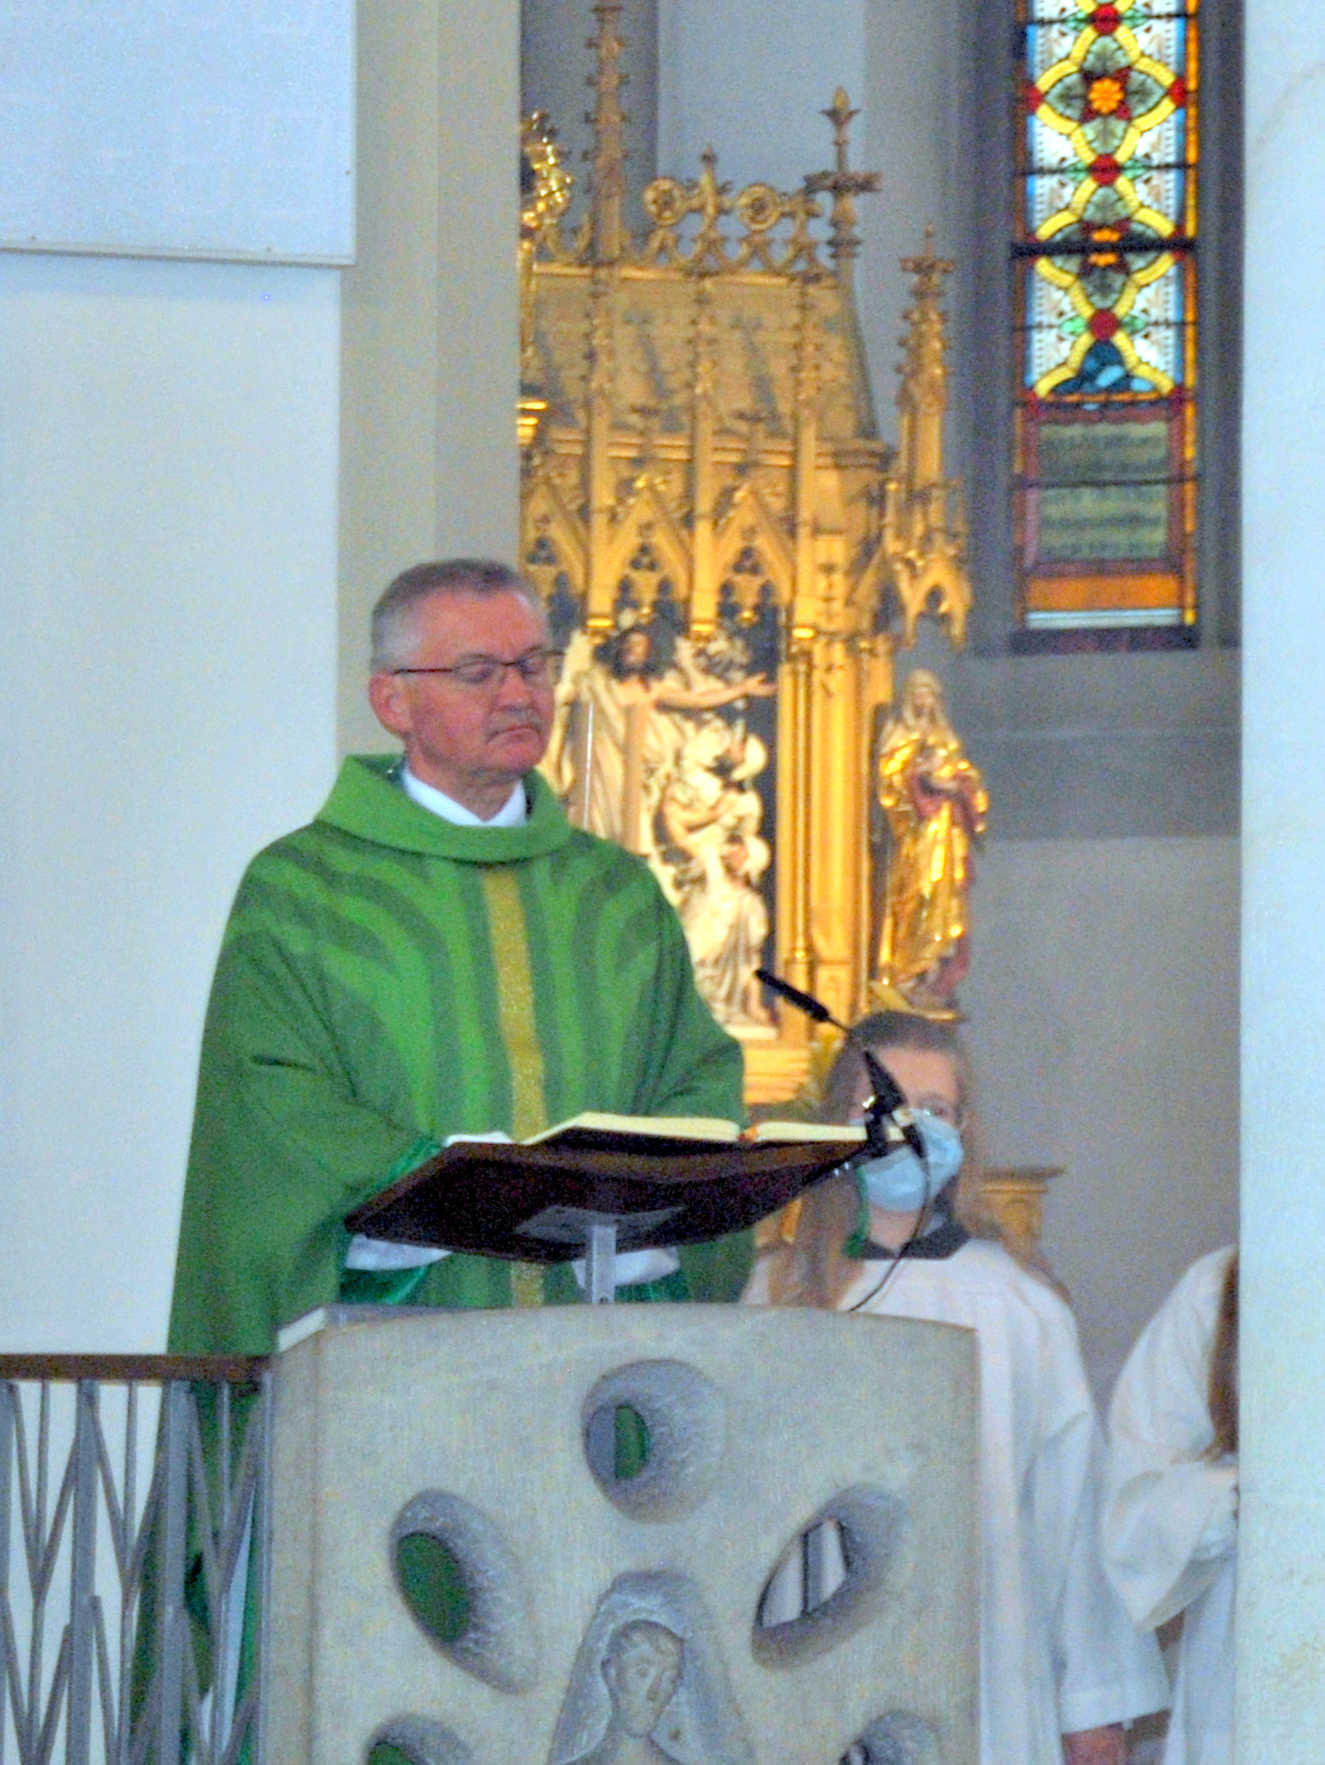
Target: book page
{"type": "Point", "coordinates": [597, 1126]}
{"type": "Point", "coordinates": [801, 1133]}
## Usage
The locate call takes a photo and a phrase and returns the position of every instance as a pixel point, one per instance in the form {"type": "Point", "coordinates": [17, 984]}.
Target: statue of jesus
{"type": "Point", "coordinates": [627, 695]}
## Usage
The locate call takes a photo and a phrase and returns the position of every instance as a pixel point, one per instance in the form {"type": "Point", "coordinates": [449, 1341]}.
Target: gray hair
{"type": "Point", "coordinates": [395, 617]}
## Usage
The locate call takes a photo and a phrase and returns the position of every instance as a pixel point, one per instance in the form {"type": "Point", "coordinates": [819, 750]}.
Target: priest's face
{"type": "Point", "coordinates": [473, 742]}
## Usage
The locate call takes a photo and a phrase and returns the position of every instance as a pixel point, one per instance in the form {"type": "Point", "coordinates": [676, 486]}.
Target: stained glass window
{"type": "Point", "coordinates": [1105, 256]}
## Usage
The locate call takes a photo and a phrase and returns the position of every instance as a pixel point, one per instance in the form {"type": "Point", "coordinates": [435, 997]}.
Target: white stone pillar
{"type": "Point", "coordinates": [1281, 1642]}
{"type": "Point", "coordinates": [430, 340]}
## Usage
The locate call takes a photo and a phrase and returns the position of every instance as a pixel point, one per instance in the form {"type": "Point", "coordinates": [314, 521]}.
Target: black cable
{"type": "Point", "coordinates": [917, 1232]}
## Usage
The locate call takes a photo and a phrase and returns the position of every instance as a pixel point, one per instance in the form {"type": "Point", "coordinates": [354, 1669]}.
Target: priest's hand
{"type": "Point", "coordinates": [1096, 1746]}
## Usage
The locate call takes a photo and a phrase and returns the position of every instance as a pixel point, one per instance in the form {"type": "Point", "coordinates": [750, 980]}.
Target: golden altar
{"type": "Point", "coordinates": [730, 553]}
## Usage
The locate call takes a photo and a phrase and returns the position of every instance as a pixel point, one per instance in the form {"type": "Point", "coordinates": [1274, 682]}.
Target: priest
{"type": "Point", "coordinates": [439, 952]}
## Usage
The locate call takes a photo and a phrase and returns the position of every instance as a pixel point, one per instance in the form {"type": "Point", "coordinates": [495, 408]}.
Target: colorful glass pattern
{"type": "Point", "coordinates": [1107, 269]}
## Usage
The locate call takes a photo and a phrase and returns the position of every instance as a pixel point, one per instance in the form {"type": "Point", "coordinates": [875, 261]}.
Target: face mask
{"type": "Point", "coordinates": [898, 1183]}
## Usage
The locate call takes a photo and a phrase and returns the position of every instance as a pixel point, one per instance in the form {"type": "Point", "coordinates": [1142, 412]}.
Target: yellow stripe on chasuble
{"type": "Point", "coordinates": [519, 1034]}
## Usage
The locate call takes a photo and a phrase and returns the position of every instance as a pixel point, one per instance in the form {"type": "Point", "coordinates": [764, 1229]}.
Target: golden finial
{"type": "Point", "coordinates": [608, 155]}
{"type": "Point", "coordinates": [842, 184]}
{"type": "Point", "coordinates": [840, 115]}
{"type": "Point", "coordinates": [928, 270]}
{"type": "Point", "coordinates": [924, 531]}
{"type": "Point", "coordinates": [712, 201]}
{"type": "Point", "coordinates": [545, 195]}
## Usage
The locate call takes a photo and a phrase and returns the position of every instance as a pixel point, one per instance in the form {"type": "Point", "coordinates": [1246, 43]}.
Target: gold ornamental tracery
{"type": "Point", "coordinates": [728, 550]}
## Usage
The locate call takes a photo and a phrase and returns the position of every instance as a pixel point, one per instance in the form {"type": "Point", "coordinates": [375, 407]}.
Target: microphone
{"type": "Point", "coordinates": [888, 1120]}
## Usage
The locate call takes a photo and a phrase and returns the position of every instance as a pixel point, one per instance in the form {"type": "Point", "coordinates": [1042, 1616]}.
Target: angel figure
{"type": "Point", "coordinates": [711, 816]}
{"type": "Point", "coordinates": [936, 806]}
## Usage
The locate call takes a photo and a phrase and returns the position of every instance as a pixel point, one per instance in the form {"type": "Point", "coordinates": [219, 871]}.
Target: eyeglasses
{"type": "Point", "coordinates": [933, 1104]}
{"type": "Point", "coordinates": [942, 1107]}
{"type": "Point", "coordinates": [535, 668]}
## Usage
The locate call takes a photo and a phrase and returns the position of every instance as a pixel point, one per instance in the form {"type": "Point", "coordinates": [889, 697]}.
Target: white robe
{"type": "Point", "coordinates": [1170, 1516]}
{"type": "Point", "coordinates": [1057, 1651]}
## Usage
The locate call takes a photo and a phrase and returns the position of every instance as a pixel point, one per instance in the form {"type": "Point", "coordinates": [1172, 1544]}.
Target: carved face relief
{"type": "Point", "coordinates": [651, 1681]}
{"type": "Point", "coordinates": [642, 1667]}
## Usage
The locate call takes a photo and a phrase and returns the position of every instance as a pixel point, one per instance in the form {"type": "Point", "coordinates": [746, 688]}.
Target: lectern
{"type": "Point", "coordinates": [592, 1191]}
{"type": "Point", "coordinates": [784, 1574]}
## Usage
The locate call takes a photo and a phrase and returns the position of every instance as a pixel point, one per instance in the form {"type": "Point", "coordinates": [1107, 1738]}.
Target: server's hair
{"type": "Point", "coordinates": [891, 1029]}
{"type": "Point", "coordinates": [395, 617]}
{"type": "Point", "coordinates": [1224, 1368]}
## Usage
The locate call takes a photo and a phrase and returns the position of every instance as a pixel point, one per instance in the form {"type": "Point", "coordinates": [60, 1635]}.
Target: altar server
{"type": "Point", "coordinates": [1062, 1667]}
{"type": "Point", "coordinates": [1171, 1497]}
{"type": "Point", "coordinates": [439, 952]}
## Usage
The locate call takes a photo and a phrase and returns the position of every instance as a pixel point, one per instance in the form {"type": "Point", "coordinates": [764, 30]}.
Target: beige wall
{"type": "Point", "coordinates": [167, 570]}
{"type": "Point", "coordinates": [1104, 1021]}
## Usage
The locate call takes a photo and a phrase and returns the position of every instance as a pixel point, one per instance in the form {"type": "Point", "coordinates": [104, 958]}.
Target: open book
{"type": "Point", "coordinates": [597, 1130]}
{"type": "Point", "coordinates": [659, 1180]}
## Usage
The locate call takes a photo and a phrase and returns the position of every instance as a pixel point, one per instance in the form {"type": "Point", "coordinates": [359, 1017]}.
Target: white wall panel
{"type": "Point", "coordinates": [184, 128]}
{"type": "Point", "coordinates": [1282, 1564]}
{"type": "Point", "coordinates": [167, 579]}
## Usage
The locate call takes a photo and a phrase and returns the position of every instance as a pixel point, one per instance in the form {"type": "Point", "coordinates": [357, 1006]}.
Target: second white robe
{"type": "Point", "coordinates": [1170, 1515]}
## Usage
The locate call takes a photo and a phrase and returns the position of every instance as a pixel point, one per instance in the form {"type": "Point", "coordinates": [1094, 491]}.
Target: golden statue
{"type": "Point", "coordinates": [937, 807]}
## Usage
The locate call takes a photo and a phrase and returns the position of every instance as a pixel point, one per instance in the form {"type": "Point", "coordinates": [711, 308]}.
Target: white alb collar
{"type": "Point", "coordinates": [514, 812]}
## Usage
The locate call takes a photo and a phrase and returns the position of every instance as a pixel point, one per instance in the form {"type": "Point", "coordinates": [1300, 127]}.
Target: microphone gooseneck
{"type": "Point", "coordinates": [888, 1121]}
{"type": "Point", "coordinates": [805, 1002]}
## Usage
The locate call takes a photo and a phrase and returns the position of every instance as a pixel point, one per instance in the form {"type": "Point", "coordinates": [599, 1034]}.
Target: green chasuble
{"type": "Point", "coordinates": [388, 979]}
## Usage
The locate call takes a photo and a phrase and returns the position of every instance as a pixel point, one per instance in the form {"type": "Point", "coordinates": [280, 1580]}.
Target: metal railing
{"type": "Point", "coordinates": [133, 1552]}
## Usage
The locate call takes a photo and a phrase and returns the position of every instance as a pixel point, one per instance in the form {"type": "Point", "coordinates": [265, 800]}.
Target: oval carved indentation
{"type": "Point", "coordinates": [676, 1420]}
{"type": "Point", "coordinates": [830, 1580]}
{"type": "Point", "coordinates": [897, 1738]}
{"type": "Point", "coordinates": [414, 1740]}
{"type": "Point", "coordinates": [465, 1588]}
